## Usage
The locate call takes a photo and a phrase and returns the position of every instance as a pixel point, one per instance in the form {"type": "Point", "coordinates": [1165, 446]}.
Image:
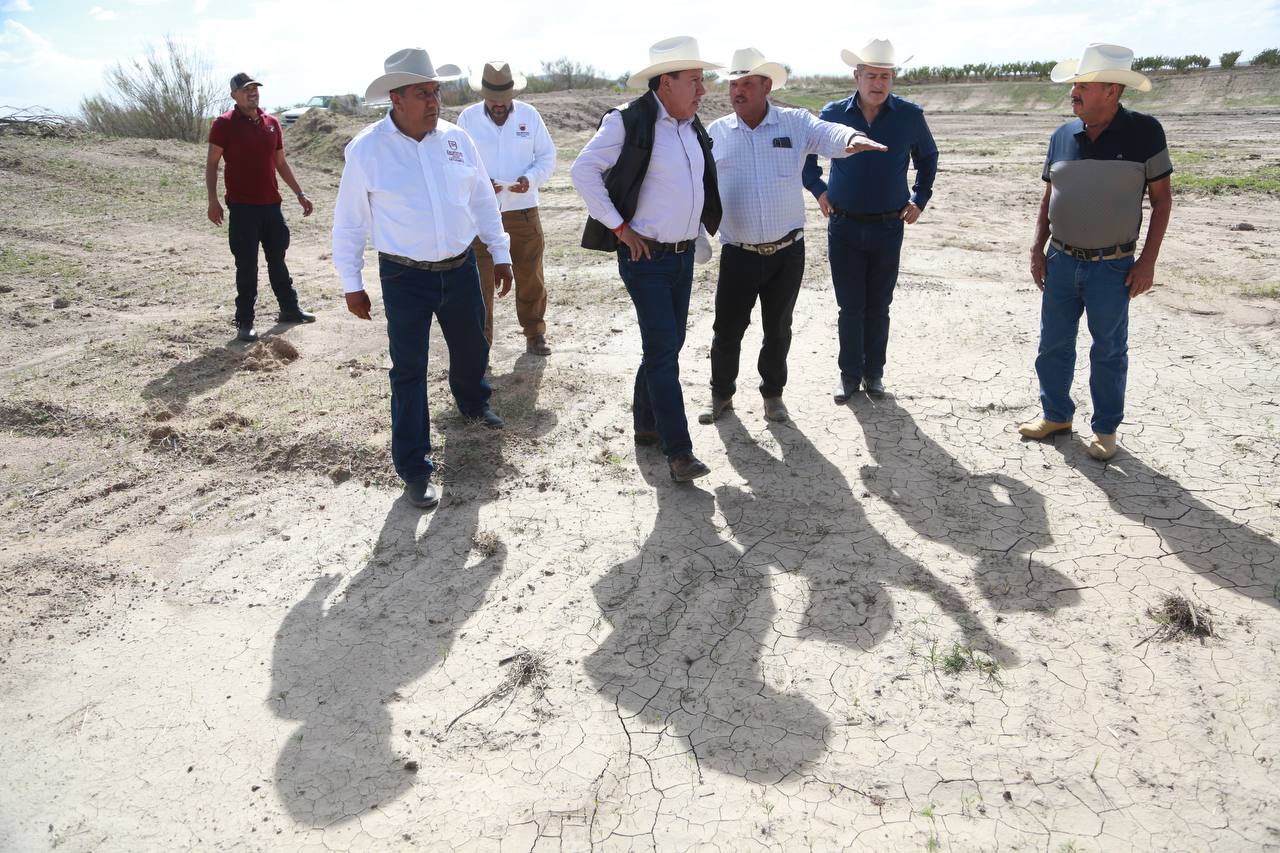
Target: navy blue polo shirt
{"type": "Point", "coordinates": [1097, 185]}
{"type": "Point", "coordinates": [876, 181]}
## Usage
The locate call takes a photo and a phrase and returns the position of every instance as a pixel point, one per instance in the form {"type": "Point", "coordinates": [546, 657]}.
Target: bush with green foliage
{"type": "Point", "coordinates": [1228, 59]}
{"type": "Point", "coordinates": [1269, 57]}
{"type": "Point", "coordinates": [169, 94]}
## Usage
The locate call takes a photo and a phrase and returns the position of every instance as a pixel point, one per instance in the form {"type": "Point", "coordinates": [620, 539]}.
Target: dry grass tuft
{"type": "Point", "coordinates": [1181, 618]}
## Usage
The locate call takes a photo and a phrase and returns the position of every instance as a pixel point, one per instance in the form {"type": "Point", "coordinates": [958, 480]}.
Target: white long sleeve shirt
{"type": "Point", "coordinates": [519, 146]}
{"type": "Point", "coordinates": [670, 205]}
{"type": "Point", "coordinates": [422, 200]}
{"type": "Point", "coordinates": [758, 170]}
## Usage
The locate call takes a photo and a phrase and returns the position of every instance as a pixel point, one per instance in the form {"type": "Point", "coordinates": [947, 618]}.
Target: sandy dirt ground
{"type": "Point", "coordinates": [885, 625]}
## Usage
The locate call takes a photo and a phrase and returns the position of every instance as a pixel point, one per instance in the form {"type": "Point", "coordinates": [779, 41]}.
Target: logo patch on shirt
{"type": "Point", "coordinates": [782, 142]}
{"type": "Point", "coordinates": [454, 154]}
{"type": "Point", "coordinates": [523, 131]}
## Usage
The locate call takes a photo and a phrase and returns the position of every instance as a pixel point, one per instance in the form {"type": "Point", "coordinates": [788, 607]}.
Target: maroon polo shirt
{"type": "Point", "coordinates": [249, 147]}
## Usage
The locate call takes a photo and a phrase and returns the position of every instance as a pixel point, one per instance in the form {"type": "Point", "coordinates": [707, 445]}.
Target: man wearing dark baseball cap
{"type": "Point", "coordinates": [253, 145]}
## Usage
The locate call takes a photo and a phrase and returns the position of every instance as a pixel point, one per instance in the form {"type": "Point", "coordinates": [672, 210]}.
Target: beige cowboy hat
{"type": "Point", "coordinates": [748, 61]}
{"type": "Point", "coordinates": [404, 68]}
{"type": "Point", "coordinates": [1101, 63]}
{"type": "Point", "coordinates": [673, 54]}
{"type": "Point", "coordinates": [497, 82]}
{"type": "Point", "coordinates": [877, 53]}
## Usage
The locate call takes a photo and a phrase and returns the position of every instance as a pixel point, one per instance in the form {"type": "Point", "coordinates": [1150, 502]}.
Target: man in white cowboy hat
{"type": "Point", "coordinates": [251, 142]}
{"type": "Point", "coordinates": [868, 203]}
{"type": "Point", "coordinates": [649, 182]}
{"type": "Point", "coordinates": [1097, 171]}
{"type": "Point", "coordinates": [518, 152]}
{"type": "Point", "coordinates": [416, 184]}
{"type": "Point", "coordinates": [759, 151]}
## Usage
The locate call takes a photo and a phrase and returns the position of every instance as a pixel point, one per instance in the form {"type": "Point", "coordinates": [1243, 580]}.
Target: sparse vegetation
{"type": "Point", "coordinates": [1228, 59]}
{"type": "Point", "coordinates": [1180, 618]}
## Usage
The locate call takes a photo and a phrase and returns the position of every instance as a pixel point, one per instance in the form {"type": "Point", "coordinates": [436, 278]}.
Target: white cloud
{"type": "Point", "coordinates": [33, 72]}
{"type": "Point", "coordinates": [100, 14]}
{"type": "Point", "coordinates": [201, 6]}
{"type": "Point", "coordinates": [18, 6]}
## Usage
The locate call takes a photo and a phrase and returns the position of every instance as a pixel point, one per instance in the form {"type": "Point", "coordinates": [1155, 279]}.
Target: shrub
{"type": "Point", "coordinates": [1228, 59]}
{"type": "Point", "coordinates": [1269, 57]}
{"type": "Point", "coordinates": [170, 94]}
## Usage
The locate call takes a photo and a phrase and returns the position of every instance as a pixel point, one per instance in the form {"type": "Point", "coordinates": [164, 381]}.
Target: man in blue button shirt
{"type": "Point", "coordinates": [868, 203]}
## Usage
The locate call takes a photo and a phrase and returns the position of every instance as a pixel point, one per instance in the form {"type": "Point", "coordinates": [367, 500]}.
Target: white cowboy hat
{"type": "Point", "coordinates": [1101, 63]}
{"type": "Point", "coordinates": [877, 53]}
{"type": "Point", "coordinates": [404, 68]}
{"type": "Point", "coordinates": [673, 54]}
{"type": "Point", "coordinates": [496, 81]}
{"type": "Point", "coordinates": [748, 61]}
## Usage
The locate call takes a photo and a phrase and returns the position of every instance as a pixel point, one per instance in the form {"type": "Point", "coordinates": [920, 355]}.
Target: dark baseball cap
{"type": "Point", "coordinates": [241, 80]}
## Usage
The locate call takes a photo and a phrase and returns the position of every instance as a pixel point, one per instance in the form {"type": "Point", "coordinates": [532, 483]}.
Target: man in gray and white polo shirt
{"type": "Point", "coordinates": [1098, 169]}
{"type": "Point", "coordinates": [759, 151]}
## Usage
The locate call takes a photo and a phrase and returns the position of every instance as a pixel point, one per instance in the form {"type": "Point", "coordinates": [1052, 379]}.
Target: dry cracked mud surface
{"type": "Point", "coordinates": [886, 625]}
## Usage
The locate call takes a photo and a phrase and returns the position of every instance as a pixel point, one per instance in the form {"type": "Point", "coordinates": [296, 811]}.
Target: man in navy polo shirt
{"type": "Point", "coordinates": [253, 146]}
{"type": "Point", "coordinates": [868, 203]}
{"type": "Point", "coordinates": [1098, 169]}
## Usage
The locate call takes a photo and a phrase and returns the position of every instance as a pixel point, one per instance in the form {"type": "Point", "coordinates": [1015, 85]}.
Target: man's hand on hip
{"type": "Point", "coordinates": [358, 304]}
{"type": "Point", "coordinates": [1037, 266]}
{"type": "Point", "coordinates": [910, 213]}
{"type": "Point", "coordinates": [824, 205]}
{"type": "Point", "coordinates": [504, 278]}
{"type": "Point", "coordinates": [635, 243]}
{"type": "Point", "coordinates": [1142, 275]}
{"type": "Point", "coordinates": [215, 213]}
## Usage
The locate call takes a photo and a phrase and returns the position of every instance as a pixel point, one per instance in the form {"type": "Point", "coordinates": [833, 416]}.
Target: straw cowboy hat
{"type": "Point", "coordinates": [497, 82]}
{"type": "Point", "coordinates": [1101, 63]}
{"type": "Point", "coordinates": [673, 54]}
{"type": "Point", "coordinates": [404, 68]}
{"type": "Point", "coordinates": [748, 61]}
{"type": "Point", "coordinates": [877, 53]}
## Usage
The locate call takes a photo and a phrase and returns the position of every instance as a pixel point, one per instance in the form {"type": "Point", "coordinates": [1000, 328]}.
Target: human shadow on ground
{"type": "Point", "coordinates": [1224, 552]}
{"type": "Point", "coordinates": [337, 667]}
{"type": "Point", "coordinates": [207, 371]}
{"type": "Point", "coordinates": [995, 519]}
{"type": "Point", "coordinates": [694, 613]}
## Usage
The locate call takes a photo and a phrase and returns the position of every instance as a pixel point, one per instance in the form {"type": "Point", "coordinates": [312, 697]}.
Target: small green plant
{"type": "Point", "coordinates": [933, 843]}
{"type": "Point", "coordinates": [1228, 59]}
{"type": "Point", "coordinates": [963, 658]}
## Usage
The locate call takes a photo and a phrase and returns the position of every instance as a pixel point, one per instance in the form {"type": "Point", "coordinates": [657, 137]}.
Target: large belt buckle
{"type": "Point", "coordinates": [767, 249]}
{"type": "Point", "coordinates": [1080, 254]}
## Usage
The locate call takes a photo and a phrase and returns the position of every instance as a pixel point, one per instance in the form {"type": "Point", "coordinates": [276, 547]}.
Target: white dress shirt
{"type": "Point", "coordinates": [758, 170]}
{"type": "Point", "coordinates": [519, 146]}
{"type": "Point", "coordinates": [671, 196]}
{"type": "Point", "coordinates": [421, 200]}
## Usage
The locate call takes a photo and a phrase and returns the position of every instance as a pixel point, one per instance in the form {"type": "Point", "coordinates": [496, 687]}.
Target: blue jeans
{"type": "Point", "coordinates": [410, 296]}
{"type": "Point", "coordinates": [659, 288]}
{"type": "Point", "coordinates": [864, 270]}
{"type": "Point", "coordinates": [1096, 288]}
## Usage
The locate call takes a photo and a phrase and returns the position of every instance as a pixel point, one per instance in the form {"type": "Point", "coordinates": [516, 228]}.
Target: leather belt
{"type": "Point", "coordinates": [430, 266]}
{"type": "Point", "coordinates": [1110, 253]}
{"type": "Point", "coordinates": [674, 248]}
{"type": "Point", "coordinates": [768, 249]}
{"type": "Point", "coordinates": [866, 217]}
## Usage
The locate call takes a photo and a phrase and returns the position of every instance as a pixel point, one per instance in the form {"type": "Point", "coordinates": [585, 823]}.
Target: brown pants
{"type": "Point", "coordinates": [525, 230]}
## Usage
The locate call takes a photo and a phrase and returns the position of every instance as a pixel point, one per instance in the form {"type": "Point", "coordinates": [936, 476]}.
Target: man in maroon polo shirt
{"type": "Point", "coordinates": [253, 146]}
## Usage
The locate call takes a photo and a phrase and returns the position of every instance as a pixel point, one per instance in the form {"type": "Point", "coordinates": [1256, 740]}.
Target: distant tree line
{"type": "Point", "coordinates": [976, 71]}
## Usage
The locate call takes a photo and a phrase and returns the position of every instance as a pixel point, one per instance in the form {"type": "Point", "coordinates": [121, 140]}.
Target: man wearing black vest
{"type": "Point", "coordinates": [649, 183]}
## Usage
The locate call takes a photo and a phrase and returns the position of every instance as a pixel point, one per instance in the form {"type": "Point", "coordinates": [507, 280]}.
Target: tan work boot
{"type": "Point", "coordinates": [1102, 446]}
{"type": "Point", "coordinates": [717, 407]}
{"type": "Point", "coordinates": [1042, 428]}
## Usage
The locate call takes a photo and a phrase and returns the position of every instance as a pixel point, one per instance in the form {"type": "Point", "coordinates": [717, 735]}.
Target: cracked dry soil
{"type": "Point", "coordinates": [889, 625]}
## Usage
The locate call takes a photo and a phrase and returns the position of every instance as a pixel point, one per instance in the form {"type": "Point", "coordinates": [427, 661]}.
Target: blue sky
{"type": "Point", "coordinates": [54, 52]}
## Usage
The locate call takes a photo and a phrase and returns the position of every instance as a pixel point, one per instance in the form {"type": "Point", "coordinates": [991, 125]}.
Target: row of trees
{"type": "Point", "coordinates": [1040, 70]}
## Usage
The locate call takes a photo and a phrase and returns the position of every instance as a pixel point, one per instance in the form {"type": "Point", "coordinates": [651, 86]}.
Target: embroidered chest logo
{"type": "Point", "coordinates": [454, 154]}
{"type": "Point", "coordinates": [522, 130]}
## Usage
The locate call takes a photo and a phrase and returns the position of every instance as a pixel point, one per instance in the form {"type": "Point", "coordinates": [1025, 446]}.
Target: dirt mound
{"type": "Point", "coordinates": [38, 417]}
{"type": "Point", "coordinates": [269, 354]}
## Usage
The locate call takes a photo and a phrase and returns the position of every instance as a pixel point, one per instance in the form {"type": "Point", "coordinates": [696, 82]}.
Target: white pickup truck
{"type": "Point", "coordinates": [319, 102]}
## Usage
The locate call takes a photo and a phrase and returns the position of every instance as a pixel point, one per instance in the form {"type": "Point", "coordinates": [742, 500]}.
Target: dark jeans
{"type": "Point", "coordinates": [249, 225]}
{"type": "Point", "coordinates": [659, 289]}
{"type": "Point", "coordinates": [744, 276]}
{"type": "Point", "coordinates": [410, 296]}
{"type": "Point", "coordinates": [864, 270]}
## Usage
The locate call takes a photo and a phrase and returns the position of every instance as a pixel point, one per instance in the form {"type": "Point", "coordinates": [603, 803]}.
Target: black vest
{"type": "Point", "coordinates": [623, 180]}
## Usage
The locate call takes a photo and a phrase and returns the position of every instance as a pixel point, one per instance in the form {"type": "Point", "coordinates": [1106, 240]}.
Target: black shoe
{"type": "Point", "coordinates": [247, 333]}
{"type": "Point", "coordinates": [422, 493]}
{"type": "Point", "coordinates": [844, 391]}
{"type": "Point", "coordinates": [488, 419]}
{"type": "Point", "coordinates": [298, 316]}
{"type": "Point", "coordinates": [685, 467]}
{"type": "Point", "coordinates": [875, 387]}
